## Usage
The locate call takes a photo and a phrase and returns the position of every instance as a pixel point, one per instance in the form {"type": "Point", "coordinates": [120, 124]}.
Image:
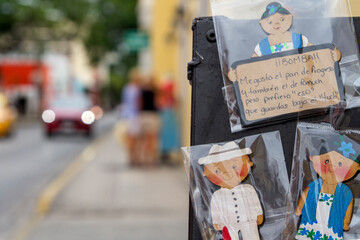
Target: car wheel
{"type": "Point", "coordinates": [89, 134]}
{"type": "Point", "coordinates": [9, 134]}
{"type": "Point", "coordinates": [49, 134]}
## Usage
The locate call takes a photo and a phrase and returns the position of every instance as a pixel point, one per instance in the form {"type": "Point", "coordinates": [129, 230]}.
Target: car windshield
{"type": "Point", "coordinates": [71, 103]}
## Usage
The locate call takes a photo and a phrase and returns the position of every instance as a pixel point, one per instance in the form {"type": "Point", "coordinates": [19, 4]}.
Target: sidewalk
{"type": "Point", "coordinates": [108, 200]}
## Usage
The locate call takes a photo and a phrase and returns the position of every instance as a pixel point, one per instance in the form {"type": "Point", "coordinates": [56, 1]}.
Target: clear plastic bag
{"type": "Point", "coordinates": [318, 34]}
{"type": "Point", "coordinates": [260, 165]}
{"type": "Point", "coordinates": [324, 181]}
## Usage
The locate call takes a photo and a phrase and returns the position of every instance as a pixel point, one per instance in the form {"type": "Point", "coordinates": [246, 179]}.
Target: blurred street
{"type": "Point", "coordinates": [94, 107]}
{"type": "Point", "coordinates": [103, 198]}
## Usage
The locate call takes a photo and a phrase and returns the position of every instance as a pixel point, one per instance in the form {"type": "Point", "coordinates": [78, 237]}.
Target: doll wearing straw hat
{"type": "Point", "coordinates": [326, 204]}
{"type": "Point", "coordinates": [234, 207]}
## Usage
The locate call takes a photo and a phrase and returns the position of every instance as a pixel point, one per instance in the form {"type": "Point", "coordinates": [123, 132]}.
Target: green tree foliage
{"type": "Point", "coordinates": [99, 23]}
{"type": "Point", "coordinates": [112, 18]}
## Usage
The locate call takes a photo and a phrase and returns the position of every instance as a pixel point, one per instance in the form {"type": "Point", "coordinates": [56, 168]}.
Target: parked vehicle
{"type": "Point", "coordinates": [8, 116]}
{"type": "Point", "coordinates": [69, 114]}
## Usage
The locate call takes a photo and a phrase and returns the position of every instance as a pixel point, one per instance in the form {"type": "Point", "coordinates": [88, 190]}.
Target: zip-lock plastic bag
{"type": "Point", "coordinates": [324, 195]}
{"type": "Point", "coordinates": [275, 54]}
{"type": "Point", "coordinates": [239, 188]}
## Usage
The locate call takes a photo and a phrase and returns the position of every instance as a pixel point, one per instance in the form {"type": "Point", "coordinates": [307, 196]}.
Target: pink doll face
{"type": "Point", "coordinates": [333, 167]}
{"type": "Point", "coordinates": [277, 23]}
{"type": "Point", "coordinates": [229, 173]}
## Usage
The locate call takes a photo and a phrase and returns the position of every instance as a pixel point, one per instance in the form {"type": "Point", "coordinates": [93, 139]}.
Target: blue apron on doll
{"type": "Point", "coordinates": [338, 206]}
{"type": "Point", "coordinates": [266, 49]}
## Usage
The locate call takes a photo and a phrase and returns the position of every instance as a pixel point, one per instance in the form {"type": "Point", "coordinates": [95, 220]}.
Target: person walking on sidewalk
{"type": "Point", "coordinates": [169, 133]}
{"type": "Point", "coordinates": [149, 123]}
{"type": "Point", "coordinates": [130, 115]}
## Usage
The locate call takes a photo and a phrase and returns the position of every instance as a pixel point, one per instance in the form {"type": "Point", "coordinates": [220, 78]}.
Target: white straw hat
{"type": "Point", "coordinates": [219, 153]}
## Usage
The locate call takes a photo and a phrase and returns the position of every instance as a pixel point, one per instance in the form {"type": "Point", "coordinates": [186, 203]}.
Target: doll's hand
{"type": "Point", "coordinates": [298, 211]}
{"type": "Point", "coordinates": [346, 227]}
{"type": "Point", "coordinates": [217, 227]}
{"type": "Point", "coordinates": [232, 75]}
{"type": "Point", "coordinates": [336, 55]}
{"type": "Point", "coordinates": [260, 219]}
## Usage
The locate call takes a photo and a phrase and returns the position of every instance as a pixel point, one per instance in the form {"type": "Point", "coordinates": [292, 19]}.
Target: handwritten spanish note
{"type": "Point", "coordinates": [287, 84]}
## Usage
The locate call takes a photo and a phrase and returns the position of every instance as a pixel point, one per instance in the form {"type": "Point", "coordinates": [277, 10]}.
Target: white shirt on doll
{"type": "Point", "coordinates": [232, 207]}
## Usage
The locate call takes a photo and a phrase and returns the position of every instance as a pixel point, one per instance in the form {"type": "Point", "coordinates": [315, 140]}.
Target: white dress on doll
{"type": "Point", "coordinates": [319, 230]}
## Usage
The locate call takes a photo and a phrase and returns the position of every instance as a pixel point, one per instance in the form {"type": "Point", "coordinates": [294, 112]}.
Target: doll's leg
{"type": "Point", "coordinates": [233, 232]}
{"type": "Point", "coordinates": [250, 231]}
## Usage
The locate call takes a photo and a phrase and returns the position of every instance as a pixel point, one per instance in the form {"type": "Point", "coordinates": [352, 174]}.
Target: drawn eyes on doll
{"type": "Point", "coordinates": [234, 167]}
{"type": "Point", "coordinates": [270, 22]}
{"type": "Point", "coordinates": [327, 161]}
{"type": "Point", "coordinates": [340, 164]}
{"type": "Point", "coordinates": [282, 19]}
{"type": "Point", "coordinates": [217, 171]}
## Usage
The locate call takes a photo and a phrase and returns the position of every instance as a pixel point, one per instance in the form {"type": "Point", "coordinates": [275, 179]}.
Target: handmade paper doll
{"type": "Point", "coordinates": [326, 205]}
{"type": "Point", "coordinates": [234, 207]}
{"type": "Point", "coordinates": [276, 21]}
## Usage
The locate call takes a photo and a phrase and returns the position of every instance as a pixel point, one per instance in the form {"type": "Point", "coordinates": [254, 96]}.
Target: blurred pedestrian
{"type": "Point", "coordinates": [169, 136]}
{"type": "Point", "coordinates": [130, 116]}
{"type": "Point", "coordinates": [149, 123]}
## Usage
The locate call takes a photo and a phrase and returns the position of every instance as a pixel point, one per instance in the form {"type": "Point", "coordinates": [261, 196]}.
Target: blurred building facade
{"type": "Point", "coordinates": [23, 80]}
{"type": "Point", "coordinates": [31, 78]}
{"type": "Point", "coordinates": [355, 5]}
{"type": "Point", "coordinates": [342, 10]}
{"type": "Point", "coordinates": [168, 24]}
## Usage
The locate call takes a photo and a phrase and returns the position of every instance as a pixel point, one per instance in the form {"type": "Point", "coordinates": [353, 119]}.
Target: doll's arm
{"type": "Point", "coordinates": [257, 51]}
{"type": "Point", "coordinates": [217, 227]}
{"type": "Point", "coordinates": [260, 219]}
{"type": "Point", "coordinates": [348, 215]}
{"type": "Point", "coordinates": [336, 54]}
{"type": "Point", "coordinates": [216, 213]}
{"type": "Point", "coordinates": [301, 202]}
{"type": "Point", "coordinates": [256, 205]}
{"type": "Point", "coordinates": [260, 216]}
{"type": "Point", "coordinates": [232, 75]}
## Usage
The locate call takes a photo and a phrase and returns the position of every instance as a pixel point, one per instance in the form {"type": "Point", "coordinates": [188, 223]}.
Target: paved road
{"type": "Point", "coordinates": [28, 162]}
{"type": "Point", "coordinates": [108, 200]}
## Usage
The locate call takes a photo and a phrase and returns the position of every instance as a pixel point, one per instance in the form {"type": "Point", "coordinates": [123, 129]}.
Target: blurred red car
{"type": "Point", "coordinates": [69, 113]}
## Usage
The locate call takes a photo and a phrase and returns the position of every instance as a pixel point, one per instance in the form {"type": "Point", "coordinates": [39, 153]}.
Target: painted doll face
{"type": "Point", "coordinates": [277, 23]}
{"type": "Point", "coordinates": [229, 173]}
{"type": "Point", "coordinates": [333, 167]}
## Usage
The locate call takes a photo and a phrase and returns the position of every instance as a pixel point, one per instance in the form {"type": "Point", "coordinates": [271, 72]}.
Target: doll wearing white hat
{"type": "Point", "coordinates": [235, 207]}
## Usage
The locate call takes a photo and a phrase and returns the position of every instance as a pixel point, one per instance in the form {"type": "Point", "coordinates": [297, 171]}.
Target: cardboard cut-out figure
{"type": "Point", "coordinates": [326, 205]}
{"type": "Point", "coordinates": [276, 21]}
{"type": "Point", "coordinates": [234, 207]}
